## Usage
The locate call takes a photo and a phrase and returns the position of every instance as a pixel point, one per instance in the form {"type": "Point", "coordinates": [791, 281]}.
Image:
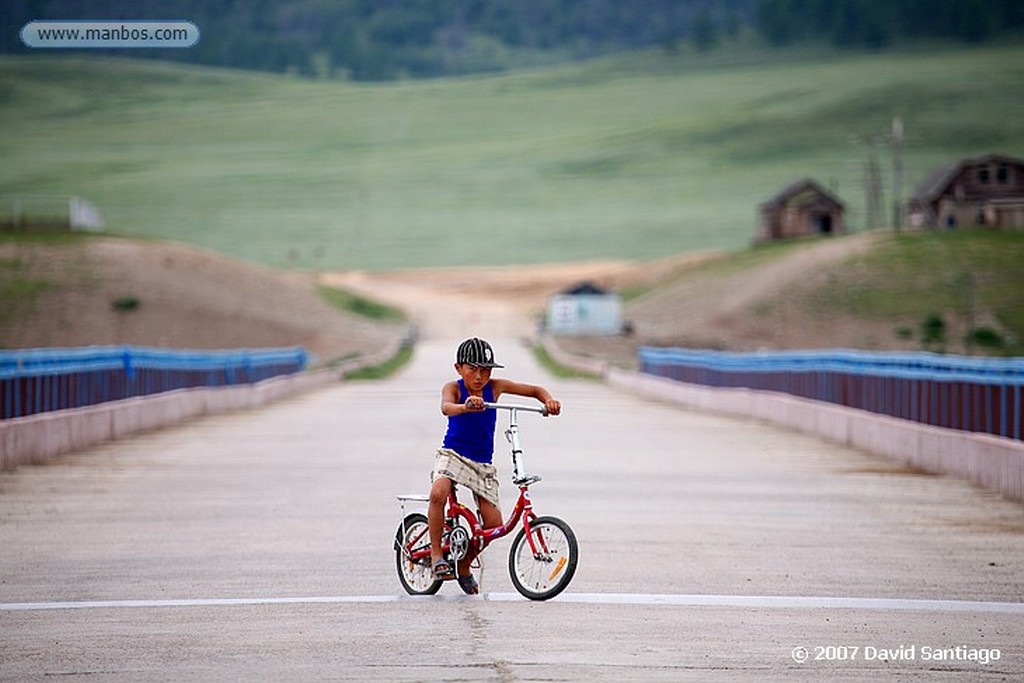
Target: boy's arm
{"type": "Point", "coordinates": [506, 386]}
{"type": "Point", "coordinates": [450, 405]}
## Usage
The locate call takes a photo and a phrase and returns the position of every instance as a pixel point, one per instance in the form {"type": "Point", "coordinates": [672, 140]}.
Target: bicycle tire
{"type": "Point", "coordinates": [543, 577]}
{"type": "Point", "coordinates": [417, 578]}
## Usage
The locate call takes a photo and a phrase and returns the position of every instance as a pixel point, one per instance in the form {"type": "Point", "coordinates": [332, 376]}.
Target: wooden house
{"type": "Point", "coordinates": [800, 209]}
{"type": "Point", "coordinates": [987, 191]}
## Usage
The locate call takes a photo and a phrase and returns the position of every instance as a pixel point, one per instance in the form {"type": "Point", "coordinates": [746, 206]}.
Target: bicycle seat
{"type": "Point", "coordinates": [527, 479]}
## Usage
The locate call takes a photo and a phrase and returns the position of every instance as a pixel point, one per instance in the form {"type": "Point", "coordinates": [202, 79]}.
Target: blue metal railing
{"type": "Point", "coordinates": [968, 394]}
{"type": "Point", "coordinates": [41, 380]}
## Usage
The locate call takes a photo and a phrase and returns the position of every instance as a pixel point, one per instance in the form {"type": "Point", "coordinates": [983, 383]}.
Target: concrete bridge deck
{"type": "Point", "coordinates": [257, 545]}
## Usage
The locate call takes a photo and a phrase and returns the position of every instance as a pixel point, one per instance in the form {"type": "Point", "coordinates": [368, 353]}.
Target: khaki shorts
{"type": "Point", "coordinates": [479, 478]}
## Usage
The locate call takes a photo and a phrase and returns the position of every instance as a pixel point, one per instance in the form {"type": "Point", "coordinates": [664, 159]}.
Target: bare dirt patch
{"type": "Point", "coordinates": [103, 291]}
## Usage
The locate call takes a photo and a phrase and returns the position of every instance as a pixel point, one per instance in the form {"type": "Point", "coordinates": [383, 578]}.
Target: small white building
{"type": "Point", "coordinates": [585, 309]}
{"type": "Point", "coordinates": [39, 213]}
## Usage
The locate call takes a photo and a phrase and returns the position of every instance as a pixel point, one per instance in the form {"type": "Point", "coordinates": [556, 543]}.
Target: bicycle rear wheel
{"type": "Point", "coordinates": [416, 576]}
{"type": "Point", "coordinates": [543, 574]}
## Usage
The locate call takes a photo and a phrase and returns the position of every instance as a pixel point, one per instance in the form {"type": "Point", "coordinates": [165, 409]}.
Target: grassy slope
{"type": "Point", "coordinates": [874, 299]}
{"type": "Point", "coordinates": [970, 280]}
{"type": "Point", "coordinates": [634, 157]}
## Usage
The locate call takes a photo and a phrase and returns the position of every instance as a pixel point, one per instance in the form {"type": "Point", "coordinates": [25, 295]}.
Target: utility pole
{"type": "Point", "coordinates": [970, 307]}
{"type": "Point", "coordinates": [897, 173]}
{"type": "Point", "coordinates": [873, 188]}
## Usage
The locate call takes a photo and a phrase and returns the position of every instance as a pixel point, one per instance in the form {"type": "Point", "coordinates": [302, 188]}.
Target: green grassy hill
{"type": "Point", "coordinates": [958, 293]}
{"type": "Point", "coordinates": [947, 292]}
{"type": "Point", "coordinates": [637, 156]}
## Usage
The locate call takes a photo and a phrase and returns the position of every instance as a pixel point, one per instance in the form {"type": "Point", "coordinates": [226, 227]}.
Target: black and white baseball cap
{"type": "Point", "coordinates": [476, 352]}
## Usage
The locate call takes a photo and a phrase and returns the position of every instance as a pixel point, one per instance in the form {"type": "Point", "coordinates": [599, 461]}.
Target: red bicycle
{"type": "Point", "coordinates": [543, 556]}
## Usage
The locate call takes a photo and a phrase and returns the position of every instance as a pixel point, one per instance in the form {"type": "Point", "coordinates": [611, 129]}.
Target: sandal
{"type": "Point", "coordinates": [443, 571]}
{"type": "Point", "coordinates": [469, 585]}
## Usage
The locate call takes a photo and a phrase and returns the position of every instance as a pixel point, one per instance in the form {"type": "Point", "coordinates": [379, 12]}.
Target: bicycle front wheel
{"type": "Point", "coordinates": [416, 576]}
{"type": "Point", "coordinates": [542, 570]}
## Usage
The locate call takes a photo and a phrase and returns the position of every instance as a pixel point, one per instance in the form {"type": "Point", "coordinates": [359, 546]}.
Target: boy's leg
{"type": "Point", "coordinates": [490, 517]}
{"type": "Point", "coordinates": [439, 492]}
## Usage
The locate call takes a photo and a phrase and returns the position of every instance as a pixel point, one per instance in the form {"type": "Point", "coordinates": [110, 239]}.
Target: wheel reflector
{"type": "Point", "coordinates": [558, 568]}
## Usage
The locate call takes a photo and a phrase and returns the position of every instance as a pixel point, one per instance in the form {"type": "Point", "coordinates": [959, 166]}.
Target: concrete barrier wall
{"type": "Point", "coordinates": [994, 463]}
{"type": "Point", "coordinates": [38, 438]}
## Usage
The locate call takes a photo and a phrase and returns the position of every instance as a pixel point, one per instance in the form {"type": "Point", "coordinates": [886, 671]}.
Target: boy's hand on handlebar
{"type": "Point", "coordinates": [552, 407]}
{"type": "Point", "coordinates": [474, 404]}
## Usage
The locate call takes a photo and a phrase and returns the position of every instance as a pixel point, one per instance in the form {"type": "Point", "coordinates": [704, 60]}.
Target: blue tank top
{"type": "Point", "coordinates": [471, 435]}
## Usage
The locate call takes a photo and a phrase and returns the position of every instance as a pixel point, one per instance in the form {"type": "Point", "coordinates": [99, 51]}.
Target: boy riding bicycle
{"type": "Point", "coordinates": [465, 457]}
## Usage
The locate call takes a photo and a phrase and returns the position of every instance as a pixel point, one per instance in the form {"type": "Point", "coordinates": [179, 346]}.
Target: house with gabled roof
{"type": "Point", "coordinates": [800, 209]}
{"type": "Point", "coordinates": [987, 191]}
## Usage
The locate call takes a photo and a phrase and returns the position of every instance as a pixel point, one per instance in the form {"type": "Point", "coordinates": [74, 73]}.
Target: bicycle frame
{"type": "Point", "coordinates": [523, 509]}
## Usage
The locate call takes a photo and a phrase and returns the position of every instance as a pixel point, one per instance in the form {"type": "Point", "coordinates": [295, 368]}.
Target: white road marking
{"type": "Point", "coordinates": [796, 602]}
{"type": "Point", "coordinates": [755, 601]}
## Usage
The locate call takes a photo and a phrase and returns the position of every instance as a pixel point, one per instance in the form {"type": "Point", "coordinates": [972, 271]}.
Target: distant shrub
{"type": "Point", "coordinates": [933, 329]}
{"type": "Point", "coordinates": [904, 332]}
{"type": "Point", "coordinates": [126, 303]}
{"type": "Point", "coordinates": [986, 337]}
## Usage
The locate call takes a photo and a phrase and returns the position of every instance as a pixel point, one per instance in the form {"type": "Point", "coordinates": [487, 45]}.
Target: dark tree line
{"type": "Point", "coordinates": [878, 23]}
{"type": "Point", "coordinates": [385, 39]}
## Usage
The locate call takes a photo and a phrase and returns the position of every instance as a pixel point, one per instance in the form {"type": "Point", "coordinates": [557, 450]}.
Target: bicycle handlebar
{"type": "Point", "coordinates": [516, 406]}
